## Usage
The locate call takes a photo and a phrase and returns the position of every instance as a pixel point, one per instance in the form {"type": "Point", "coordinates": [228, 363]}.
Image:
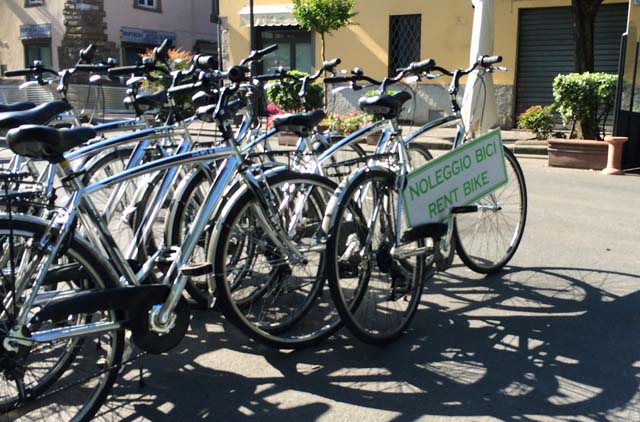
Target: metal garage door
{"type": "Point", "coordinates": [546, 48]}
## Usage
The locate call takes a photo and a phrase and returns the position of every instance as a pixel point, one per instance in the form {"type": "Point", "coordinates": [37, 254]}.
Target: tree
{"type": "Point", "coordinates": [323, 16]}
{"type": "Point", "coordinates": [584, 16]}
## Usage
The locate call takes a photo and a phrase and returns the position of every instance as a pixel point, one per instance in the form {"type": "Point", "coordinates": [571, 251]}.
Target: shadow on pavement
{"type": "Point", "coordinates": [526, 345]}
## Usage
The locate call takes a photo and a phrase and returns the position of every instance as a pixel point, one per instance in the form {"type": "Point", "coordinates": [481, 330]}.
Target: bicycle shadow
{"type": "Point", "coordinates": [529, 344]}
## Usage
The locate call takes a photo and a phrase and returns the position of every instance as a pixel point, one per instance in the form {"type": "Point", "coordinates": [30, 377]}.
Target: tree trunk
{"type": "Point", "coordinates": [584, 16]}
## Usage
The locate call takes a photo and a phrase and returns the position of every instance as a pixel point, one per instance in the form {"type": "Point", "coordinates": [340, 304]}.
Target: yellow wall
{"type": "Point", "coordinates": [446, 32]}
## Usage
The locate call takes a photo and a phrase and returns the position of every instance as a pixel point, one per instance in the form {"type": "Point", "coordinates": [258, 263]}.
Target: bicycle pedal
{"type": "Point", "coordinates": [433, 230]}
{"type": "Point", "coordinates": [168, 255]}
{"type": "Point", "coordinates": [464, 209]}
{"type": "Point", "coordinates": [197, 270]}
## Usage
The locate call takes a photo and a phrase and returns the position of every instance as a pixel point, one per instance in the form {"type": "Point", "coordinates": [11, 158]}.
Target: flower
{"type": "Point", "coordinates": [346, 124]}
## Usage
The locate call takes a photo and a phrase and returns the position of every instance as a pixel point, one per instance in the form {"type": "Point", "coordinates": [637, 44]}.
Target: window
{"type": "Point", "coordinates": [132, 53]}
{"type": "Point", "coordinates": [38, 51]}
{"type": "Point", "coordinates": [404, 41]}
{"type": "Point", "coordinates": [150, 5]}
{"type": "Point", "coordinates": [29, 3]}
{"type": "Point", "coordinates": [294, 49]}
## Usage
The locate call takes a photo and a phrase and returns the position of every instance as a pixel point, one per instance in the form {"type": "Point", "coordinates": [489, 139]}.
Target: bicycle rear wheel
{"type": "Point", "coordinates": [275, 299]}
{"type": "Point", "coordinates": [375, 293]}
{"type": "Point", "coordinates": [68, 379]}
{"type": "Point", "coordinates": [486, 240]}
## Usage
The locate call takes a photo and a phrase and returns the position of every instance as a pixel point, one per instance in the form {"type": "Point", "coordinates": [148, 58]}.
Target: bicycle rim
{"type": "Point", "coordinates": [375, 293]}
{"type": "Point", "coordinates": [279, 302]}
{"type": "Point", "coordinates": [486, 240]}
{"type": "Point", "coordinates": [68, 378]}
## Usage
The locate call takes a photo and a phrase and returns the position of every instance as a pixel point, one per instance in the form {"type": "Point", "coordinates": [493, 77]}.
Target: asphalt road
{"type": "Point", "coordinates": [552, 338]}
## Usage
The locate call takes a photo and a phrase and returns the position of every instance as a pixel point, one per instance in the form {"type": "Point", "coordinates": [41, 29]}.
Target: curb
{"type": "Point", "coordinates": [518, 147]}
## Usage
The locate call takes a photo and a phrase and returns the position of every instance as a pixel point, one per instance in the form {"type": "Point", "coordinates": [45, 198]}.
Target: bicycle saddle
{"type": "Point", "coordinates": [45, 142]}
{"type": "Point", "coordinates": [39, 115]}
{"type": "Point", "coordinates": [157, 99]}
{"type": "Point", "coordinates": [23, 105]}
{"type": "Point", "coordinates": [387, 106]}
{"type": "Point", "coordinates": [299, 123]}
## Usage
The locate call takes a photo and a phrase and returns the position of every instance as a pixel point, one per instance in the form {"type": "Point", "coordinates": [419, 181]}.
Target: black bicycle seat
{"type": "Point", "coordinates": [23, 105]}
{"type": "Point", "coordinates": [299, 123]}
{"type": "Point", "coordinates": [387, 106]}
{"type": "Point", "coordinates": [45, 142]}
{"type": "Point", "coordinates": [39, 115]}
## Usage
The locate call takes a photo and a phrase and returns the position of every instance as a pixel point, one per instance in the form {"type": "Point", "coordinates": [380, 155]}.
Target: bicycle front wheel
{"type": "Point", "coordinates": [274, 297]}
{"type": "Point", "coordinates": [487, 239]}
{"type": "Point", "coordinates": [375, 292]}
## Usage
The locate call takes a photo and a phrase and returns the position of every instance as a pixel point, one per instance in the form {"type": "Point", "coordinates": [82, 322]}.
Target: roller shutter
{"type": "Point", "coordinates": [546, 48]}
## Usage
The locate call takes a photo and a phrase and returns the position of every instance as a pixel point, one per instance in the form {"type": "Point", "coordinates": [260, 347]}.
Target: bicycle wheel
{"type": "Point", "coordinates": [275, 299]}
{"type": "Point", "coordinates": [180, 216]}
{"type": "Point", "coordinates": [487, 239]}
{"type": "Point", "coordinates": [375, 293]}
{"type": "Point", "coordinates": [121, 215]}
{"type": "Point", "coordinates": [67, 378]}
{"type": "Point", "coordinates": [418, 154]}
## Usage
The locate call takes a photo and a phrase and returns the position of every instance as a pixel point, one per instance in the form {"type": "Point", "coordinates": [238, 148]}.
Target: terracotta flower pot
{"type": "Point", "coordinates": [579, 154]}
{"type": "Point", "coordinates": [288, 139]}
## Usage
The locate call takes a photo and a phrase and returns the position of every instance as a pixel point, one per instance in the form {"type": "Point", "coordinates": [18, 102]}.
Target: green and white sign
{"type": "Point", "coordinates": [456, 178]}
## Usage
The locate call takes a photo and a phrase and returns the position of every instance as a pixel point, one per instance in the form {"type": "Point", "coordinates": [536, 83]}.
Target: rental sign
{"type": "Point", "coordinates": [456, 178]}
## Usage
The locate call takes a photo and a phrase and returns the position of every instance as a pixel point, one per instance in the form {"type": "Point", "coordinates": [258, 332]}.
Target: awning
{"type": "Point", "coordinates": [273, 15]}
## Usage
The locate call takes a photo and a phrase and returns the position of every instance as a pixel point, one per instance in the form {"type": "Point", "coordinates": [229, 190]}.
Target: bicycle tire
{"type": "Point", "coordinates": [487, 240]}
{"type": "Point", "coordinates": [66, 378]}
{"type": "Point", "coordinates": [280, 304]}
{"type": "Point", "coordinates": [419, 154]}
{"type": "Point", "coordinates": [375, 294]}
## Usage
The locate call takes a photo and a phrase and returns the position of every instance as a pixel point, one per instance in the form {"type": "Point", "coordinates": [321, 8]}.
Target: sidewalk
{"type": "Point", "coordinates": [519, 141]}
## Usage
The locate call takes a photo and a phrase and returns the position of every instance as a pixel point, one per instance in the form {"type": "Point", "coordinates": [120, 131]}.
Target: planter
{"type": "Point", "coordinates": [614, 158]}
{"type": "Point", "coordinates": [288, 139]}
{"type": "Point", "coordinates": [578, 154]}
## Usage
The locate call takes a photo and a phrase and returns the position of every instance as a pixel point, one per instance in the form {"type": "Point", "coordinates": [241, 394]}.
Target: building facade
{"type": "Point", "coordinates": [534, 37]}
{"type": "Point", "coordinates": [54, 30]}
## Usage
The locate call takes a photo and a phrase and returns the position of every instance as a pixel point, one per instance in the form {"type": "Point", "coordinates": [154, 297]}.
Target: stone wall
{"type": "Point", "coordinates": [432, 101]}
{"type": "Point", "coordinates": [84, 24]}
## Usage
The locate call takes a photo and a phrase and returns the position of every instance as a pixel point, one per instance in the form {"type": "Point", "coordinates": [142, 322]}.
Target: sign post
{"type": "Point", "coordinates": [457, 178]}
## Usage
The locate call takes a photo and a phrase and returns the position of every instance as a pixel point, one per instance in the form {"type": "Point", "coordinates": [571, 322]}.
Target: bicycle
{"type": "Point", "coordinates": [59, 292]}
{"type": "Point", "coordinates": [376, 263]}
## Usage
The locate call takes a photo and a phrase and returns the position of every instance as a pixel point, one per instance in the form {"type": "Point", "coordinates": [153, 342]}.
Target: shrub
{"type": "Point", "coordinates": [285, 95]}
{"type": "Point", "coordinates": [537, 119]}
{"type": "Point", "coordinates": [585, 100]}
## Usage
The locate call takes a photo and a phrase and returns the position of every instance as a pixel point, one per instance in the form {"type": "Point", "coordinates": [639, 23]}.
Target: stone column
{"type": "Point", "coordinates": [84, 24]}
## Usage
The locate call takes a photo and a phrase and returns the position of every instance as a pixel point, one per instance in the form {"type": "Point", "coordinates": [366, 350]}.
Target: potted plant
{"type": "Point", "coordinates": [284, 98]}
{"type": "Point", "coordinates": [584, 101]}
{"type": "Point", "coordinates": [342, 125]}
{"type": "Point", "coordinates": [180, 60]}
{"type": "Point", "coordinates": [539, 120]}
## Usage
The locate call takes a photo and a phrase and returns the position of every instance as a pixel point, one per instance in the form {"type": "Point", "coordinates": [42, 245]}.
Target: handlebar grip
{"type": "Point", "coordinates": [87, 53]}
{"type": "Point", "coordinates": [489, 60]}
{"type": "Point", "coordinates": [205, 62]}
{"type": "Point", "coordinates": [186, 88]}
{"type": "Point", "coordinates": [331, 63]}
{"type": "Point", "coordinates": [93, 68]}
{"type": "Point", "coordinates": [267, 50]}
{"type": "Point", "coordinates": [124, 70]}
{"type": "Point", "coordinates": [337, 79]}
{"type": "Point", "coordinates": [238, 73]}
{"type": "Point", "coordinates": [422, 66]}
{"type": "Point", "coordinates": [161, 53]}
{"type": "Point", "coordinates": [20, 72]}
